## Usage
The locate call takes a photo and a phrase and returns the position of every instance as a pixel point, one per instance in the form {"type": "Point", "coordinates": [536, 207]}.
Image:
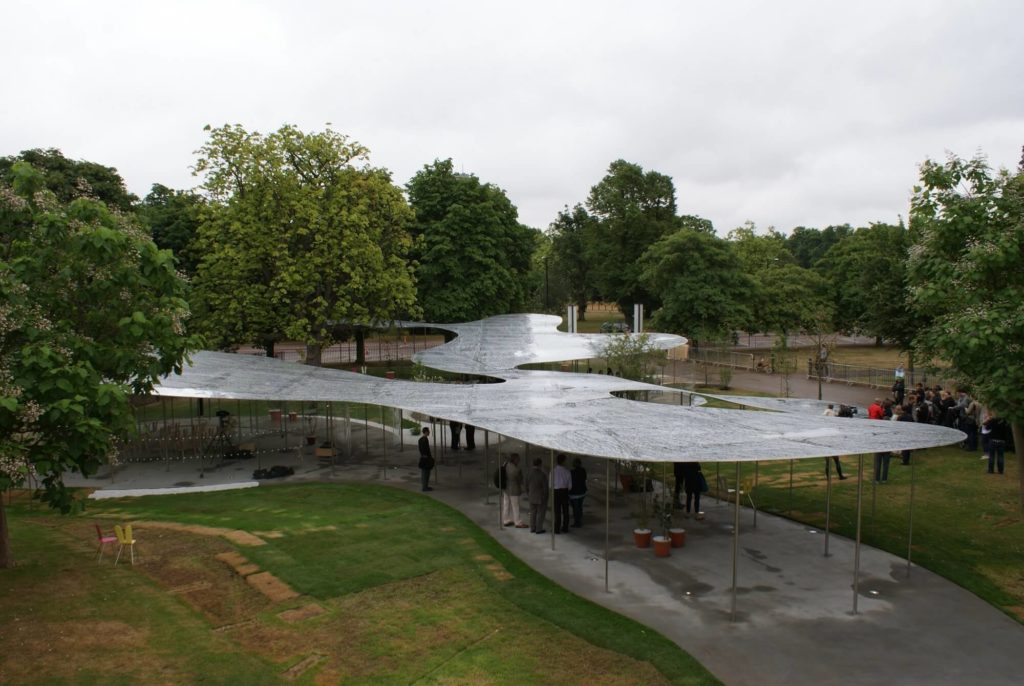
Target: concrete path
{"type": "Point", "coordinates": [794, 622]}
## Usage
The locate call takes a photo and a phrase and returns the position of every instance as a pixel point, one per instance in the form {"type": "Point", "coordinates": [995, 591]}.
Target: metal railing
{"type": "Point", "coordinates": [723, 357]}
{"type": "Point", "coordinates": [876, 377]}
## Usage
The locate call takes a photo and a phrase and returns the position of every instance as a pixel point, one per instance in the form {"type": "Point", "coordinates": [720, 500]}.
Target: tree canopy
{"type": "Point", "coordinates": [967, 279]}
{"type": "Point", "coordinates": [633, 209]}
{"type": "Point", "coordinates": [172, 218]}
{"type": "Point", "coordinates": [90, 312]}
{"type": "Point", "coordinates": [570, 233]}
{"type": "Point", "coordinates": [473, 256]}
{"type": "Point", "coordinates": [297, 241]}
{"type": "Point", "coordinates": [70, 179]}
{"type": "Point", "coordinates": [701, 283]}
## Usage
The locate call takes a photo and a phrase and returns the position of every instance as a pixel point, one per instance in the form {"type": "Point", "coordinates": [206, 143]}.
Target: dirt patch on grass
{"type": "Point", "coordinates": [270, 586]}
{"type": "Point", "coordinates": [301, 667]}
{"type": "Point", "coordinates": [238, 562]}
{"type": "Point", "coordinates": [234, 535]}
{"type": "Point", "coordinates": [301, 613]}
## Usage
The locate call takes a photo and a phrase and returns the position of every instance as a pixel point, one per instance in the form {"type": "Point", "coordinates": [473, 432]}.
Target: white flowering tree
{"type": "Point", "coordinates": [90, 312]}
{"type": "Point", "coordinates": [967, 277]}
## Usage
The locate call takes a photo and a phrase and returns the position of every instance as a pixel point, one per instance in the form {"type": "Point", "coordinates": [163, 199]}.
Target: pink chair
{"type": "Point", "coordinates": [103, 541]}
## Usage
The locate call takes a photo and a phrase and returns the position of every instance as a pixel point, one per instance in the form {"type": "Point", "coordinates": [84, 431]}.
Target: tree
{"type": "Point", "coordinates": [633, 356]}
{"type": "Point", "coordinates": [967, 279]}
{"type": "Point", "coordinates": [91, 311]}
{"type": "Point", "coordinates": [699, 280]}
{"type": "Point", "coordinates": [297, 241]}
{"type": "Point", "coordinates": [867, 273]}
{"type": "Point", "coordinates": [633, 209]}
{"type": "Point", "coordinates": [810, 245]}
{"type": "Point", "coordinates": [786, 298]}
{"type": "Point", "coordinates": [473, 254]}
{"type": "Point", "coordinates": [70, 179]}
{"type": "Point", "coordinates": [172, 218]}
{"type": "Point", "coordinates": [570, 232]}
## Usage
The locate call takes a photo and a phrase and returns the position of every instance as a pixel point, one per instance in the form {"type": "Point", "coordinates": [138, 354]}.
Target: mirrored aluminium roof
{"type": "Point", "coordinates": [566, 412]}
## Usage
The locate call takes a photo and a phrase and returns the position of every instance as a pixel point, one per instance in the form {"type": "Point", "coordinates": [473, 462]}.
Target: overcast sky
{"type": "Point", "coordinates": [783, 113]}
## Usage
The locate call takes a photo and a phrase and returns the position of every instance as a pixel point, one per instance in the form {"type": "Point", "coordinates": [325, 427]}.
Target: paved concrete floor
{"type": "Point", "coordinates": [794, 621]}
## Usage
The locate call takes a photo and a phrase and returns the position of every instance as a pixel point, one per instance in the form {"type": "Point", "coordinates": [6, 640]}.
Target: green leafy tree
{"type": "Point", "coordinates": [172, 218]}
{"type": "Point", "coordinates": [297, 241]}
{"type": "Point", "coordinates": [633, 356]}
{"type": "Point", "coordinates": [570, 233]}
{"type": "Point", "coordinates": [90, 312]}
{"type": "Point", "coordinates": [867, 275]}
{"type": "Point", "coordinates": [70, 179]}
{"type": "Point", "coordinates": [700, 282]}
{"type": "Point", "coordinates": [786, 298]}
{"type": "Point", "coordinates": [474, 257]}
{"type": "Point", "coordinates": [967, 279]}
{"type": "Point", "coordinates": [634, 209]}
{"type": "Point", "coordinates": [809, 245]}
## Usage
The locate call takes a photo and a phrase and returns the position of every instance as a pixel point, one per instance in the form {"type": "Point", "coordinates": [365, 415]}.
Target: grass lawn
{"type": "Point", "coordinates": [392, 588]}
{"type": "Point", "coordinates": [967, 526]}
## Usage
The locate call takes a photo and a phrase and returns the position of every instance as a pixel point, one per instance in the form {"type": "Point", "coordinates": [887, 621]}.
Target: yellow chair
{"type": "Point", "coordinates": [124, 537]}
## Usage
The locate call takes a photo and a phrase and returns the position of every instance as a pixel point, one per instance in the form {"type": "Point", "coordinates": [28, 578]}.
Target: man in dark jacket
{"type": "Point", "coordinates": [426, 463]}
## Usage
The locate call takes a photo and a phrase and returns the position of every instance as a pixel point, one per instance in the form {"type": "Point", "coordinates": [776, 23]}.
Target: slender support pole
{"type": "Point", "coordinates": [874, 489]}
{"type": "Point", "coordinates": [348, 432]}
{"type": "Point", "coordinates": [753, 503]}
{"type": "Point", "coordinates": [366, 430]}
{"type": "Point", "coordinates": [607, 517]}
{"type": "Point", "coordinates": [856, 546]}
{"type": "Point", "coordinates": [551, 496]}
{"type": "Point", "coordinates": [910, 523]}
{"type": "Point", "coordinates": [718, 483]}
{"type": "Point", "coordinates": [790, 508]}
{"type": "Point", "coordinates": [735, 541]}
{"type": "Point", "coordinates": [401, 430]}
{"type": "Point", "coordinates": [384, 441]}
{"type": "Point", "coordinates": [828, 500]}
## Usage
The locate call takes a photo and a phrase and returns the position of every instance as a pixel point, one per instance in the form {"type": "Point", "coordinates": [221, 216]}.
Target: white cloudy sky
{"type": "Point", "coordinates": [784, 113]}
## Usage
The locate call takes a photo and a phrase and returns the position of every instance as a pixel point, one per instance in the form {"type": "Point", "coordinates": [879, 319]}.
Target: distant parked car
{"type": "Point", "coordinates": [614, 327]}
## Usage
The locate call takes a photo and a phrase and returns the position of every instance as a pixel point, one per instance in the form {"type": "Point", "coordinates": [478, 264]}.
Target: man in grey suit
{"type": "Point", "coordinates": [537, 492]}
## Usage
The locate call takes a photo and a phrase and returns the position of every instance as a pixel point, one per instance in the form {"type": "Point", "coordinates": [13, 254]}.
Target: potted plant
{"type": "Point", "coordinates": [662, 507]}
{"type": "Point", "coordinates": [665, 513]}
{"type": "Point", "coordinates": [275, 415]}
{"type": "Point", "coordinates": [310, 421]}
{"type": "Point", "coordinates": [642, 534]}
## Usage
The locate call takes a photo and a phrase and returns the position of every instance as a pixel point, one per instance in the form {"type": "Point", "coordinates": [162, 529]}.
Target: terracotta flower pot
{"type": "Point", "coordinates": [293, 416]}
{"type": "Point", "coordinates": [642, 538]}
{"type": "Point", "coordinates": [678, 537]}
{"type": "Point", "coordinates": [627, 482]}
{"type": "Point", "coordinates": [275, 415]}
{"type": "Point", "coordinates": [310, 440]}
{"type": "Point", "coordinates": [662, 546]}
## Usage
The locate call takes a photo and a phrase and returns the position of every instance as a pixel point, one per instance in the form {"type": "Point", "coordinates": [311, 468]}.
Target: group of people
{"type": "Point", "coordinates": [568, 485]}
{"type": "Point", "coordinates": [935, 405]}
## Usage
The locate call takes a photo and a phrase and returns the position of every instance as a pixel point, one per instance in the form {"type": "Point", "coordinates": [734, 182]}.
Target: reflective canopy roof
{"type": "Point", "coordinates": [573, 413]}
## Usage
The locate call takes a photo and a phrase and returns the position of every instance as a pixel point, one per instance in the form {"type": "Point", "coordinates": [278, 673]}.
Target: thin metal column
{"type": "Point", "coordinates": [384, 441]}
{"type": "Point", "coordinates": [551, 496]}
{"type": "Point", "coordinates": [828, 499]}
{"type": "Point", "coordinates": [856, 547]}
{"type": "Point", "coordinates": [910, 523]}
{"type": "Point", "coordinates": [789, 511]}
{"type": "Point", "coordinates": [401, 430]}
{"type": "Point", "coordinates": [735, 541]}
{"type": "Point", "coordinates": [753, 503]}
{"type": "Point", "coordinates": [607, 517]}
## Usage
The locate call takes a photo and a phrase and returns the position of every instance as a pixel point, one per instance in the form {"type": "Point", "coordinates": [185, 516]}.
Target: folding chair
{"type": "Point", "coordinates": [124, 537]}
{"type": "Point", "coordinates": [103, 542]}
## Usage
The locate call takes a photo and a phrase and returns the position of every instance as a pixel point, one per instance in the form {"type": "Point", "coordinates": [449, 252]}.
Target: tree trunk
{"type": "Point", "coordinates": [581, 309]}
{"type": "Point", "coordinates": [1018, 449]}
{"type": "Point", "coordinates": [313, 354]}
{"type": "Point", "coordinates": [878, 341]}
{"type": "Point", "coordinates": [6, 559]}
{"type": "Point", "coordinates": [268, 346]}
{"type": "Point", "coordinates": [360, 347]}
